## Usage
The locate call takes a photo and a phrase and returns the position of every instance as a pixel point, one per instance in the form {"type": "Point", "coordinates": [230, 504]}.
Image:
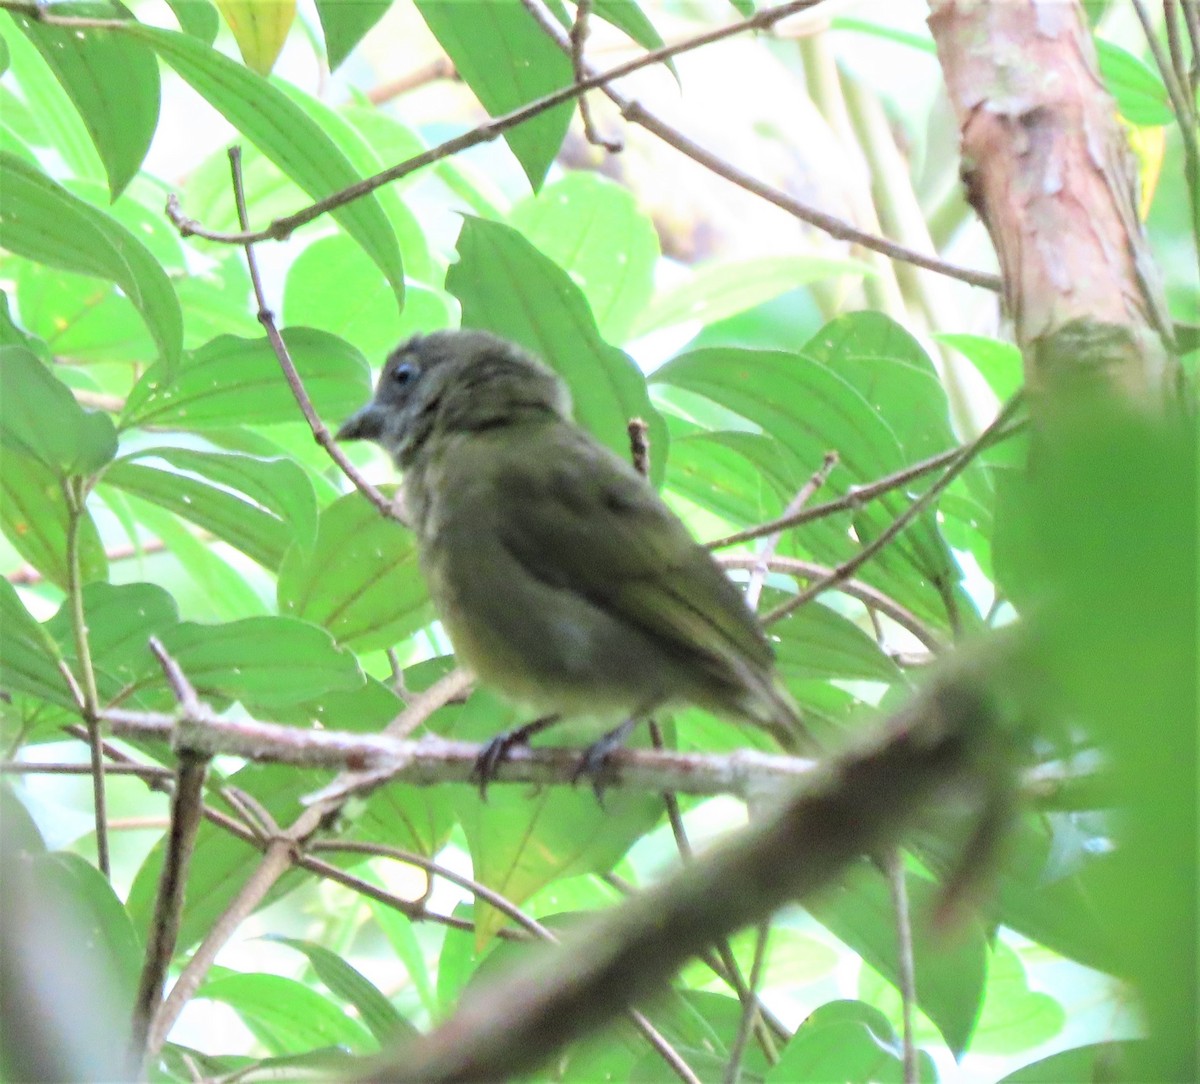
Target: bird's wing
{"type": "Point", "coordinates": [578, 518]}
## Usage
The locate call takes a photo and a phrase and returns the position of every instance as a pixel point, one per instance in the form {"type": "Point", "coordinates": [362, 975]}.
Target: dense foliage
{"type": "Point", "coordinates": [159, 480]}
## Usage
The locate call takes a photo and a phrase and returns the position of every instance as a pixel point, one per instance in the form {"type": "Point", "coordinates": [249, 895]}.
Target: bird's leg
{"type": "Point", "coordinates": [595, 757]}
{"type": "Point", "coordinates": [496, 751]}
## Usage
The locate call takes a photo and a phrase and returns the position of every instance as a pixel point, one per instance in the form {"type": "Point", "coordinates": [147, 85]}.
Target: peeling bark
{"type": "Point", "coordinates": [1049, 170]}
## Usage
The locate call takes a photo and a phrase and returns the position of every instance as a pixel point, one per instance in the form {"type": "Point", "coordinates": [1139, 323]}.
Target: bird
{"type": "Point", "coordinates": [564, 581]}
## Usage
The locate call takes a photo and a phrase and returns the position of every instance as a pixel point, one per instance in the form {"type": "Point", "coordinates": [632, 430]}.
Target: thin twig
{"type": "Point", "coordinates": [758, 574]}
{"type": "Point", "coordinates": [869, 596]}
{"type": "Point", "coordinates": [636, 113]}
{"type": "Point", "coordinates": [282, 228]}
{"type": "Point", "coordinates": [75, 492]}
{"type": "Point", "coordinates": [506, 907]}
{"type": "Point", "coordinates": [1191, 19]}
{"type": "Point", "coordinates": [27, 574]}
{"type": "Point", "coordinates": [162, 781]}
{"type": "Point", "coordinates": [847, 568]}
{"type": "Point", "coordinates": [276, 861]}
{"type": "Point", "coordinates": [440, 67]}
{"type": "Point", "coordinates": [186, 805]}
{"type": "Point", "coordinates": [39, 12]}
{"type": "Point", "coordinates": [579, 33]}
{"type": "Point", "coordinates": [35, 767]}
{"type": "Point", "coordinates": [943, 738]}
{"type": "Point", "coordinates": [319, 431]}
{"type": "Point", "coordinates": [1183, 103]}
{"type": "Point", "coordinates": [905, 965]}
{"type": "Point", "coordinates": [854, 499]}
{"type": "Point", "coordinates": [733, 1070]}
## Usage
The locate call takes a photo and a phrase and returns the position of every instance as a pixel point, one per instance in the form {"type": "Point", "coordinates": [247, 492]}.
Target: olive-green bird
{"type": "Point", "coordinates": [563, 580]}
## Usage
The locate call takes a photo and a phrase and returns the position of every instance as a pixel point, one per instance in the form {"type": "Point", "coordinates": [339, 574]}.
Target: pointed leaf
{"type": "Point", "coordinates": [28, 654]}
{"type": "Point", "coordinates": [112, 82]}
{"type": "Point", "coordinates": [285, 1015]}
{"type": "Point", "coordinates": [34, 517]}
{"type": "Point", "coordinates": [40, 418]}
{"type": "Point", "coordinates": [43, 221]}
{"type": "Point", "coordinates": [507, 286]}
{"type": "Point", "coordinates": [724, 289]}
{"type": "Point", "coordinates": [232, 380]}
{"type": "Point", "coordinates": [285, 134]}
{"type": "Point", "coordinates": [360, 580]}
{"type": "Point", "coordinates": [262, 661]}
{"type": "Point", "coordinates": [593, 230]}
{"type": "Point", "coordinates": [507, 60]}
{"type": "Point", "coordinates": [351, 985]}
{"type": "Point", "coordinates": [345, 25]}
{"type": "Point", "coordinates": [260, 27]}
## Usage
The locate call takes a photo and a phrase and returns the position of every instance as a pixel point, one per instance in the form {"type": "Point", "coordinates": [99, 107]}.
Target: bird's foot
{"type": "Point", "coordinates": [594, 761]}
{"type": "Point", "coordinates": [496, 751]}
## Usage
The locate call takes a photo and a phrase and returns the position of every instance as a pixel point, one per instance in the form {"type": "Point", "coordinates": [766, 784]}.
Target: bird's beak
{"type": "Point", "coordinates": [367, 424]}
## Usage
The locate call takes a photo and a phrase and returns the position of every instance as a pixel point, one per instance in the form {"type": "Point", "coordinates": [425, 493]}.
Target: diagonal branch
{"type": "Point", "coordinates": [860, 804]}
{"type": "Point", "coordinates": [282, 228]}
{"type": "Point", "coordinates": [636, 113]}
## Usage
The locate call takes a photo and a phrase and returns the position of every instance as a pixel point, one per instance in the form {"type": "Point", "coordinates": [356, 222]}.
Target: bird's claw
{"type": "Point", "coordinates": [595, 761]}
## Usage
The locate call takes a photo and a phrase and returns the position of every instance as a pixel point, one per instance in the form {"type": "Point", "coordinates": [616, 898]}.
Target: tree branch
{"type": "Point", "coordinates": [859, 804]}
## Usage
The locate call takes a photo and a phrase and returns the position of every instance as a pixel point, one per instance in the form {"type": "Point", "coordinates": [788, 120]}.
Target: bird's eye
{"type": "Point", "coordinates": [404, 374]}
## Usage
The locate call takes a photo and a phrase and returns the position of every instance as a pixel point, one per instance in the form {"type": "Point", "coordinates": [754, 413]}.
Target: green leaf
{"type": "Point", "coordinates": [846, 1041]}
{"type": "Point", "coordinates": [221, 592]}
{"type": "Point", "coordinates": [950, 975]}
{"type": "Point", "coordinates": [368, 159]}
{"type": "Point", "coordinates": [221, 862]}
{"type": "Point", "coordinates": [711, 471]}
{"type": "Point", "coordinates": [120, 620]}
{"type": "Point", "coordinates": [593, 230]}
{"type": "Point", "coordinates": [893, 373]}
{"type": "Point", "coordinates": [817, 643]}
{"type": "Point", "coordinates": [197, 18]}
{"type": "Point", "coordinates": [508, 61]}
{"type": "Point", "coordinates": [1014, 1017]}
{"type": "Point", "coordinates": [112, 82]}
{"type": "Point", "coordinates": [360, 580]}
{"type": "Point", "coordinates": [1109, 1060]}
{"type": "Point", "coordinates": [43, 221]}
{"type": "Point", "coordinates": [1141, 96]}
{"type": "Point", "coordinates": [507, 286]}
{"type": "Point", "coordinates": [242, 524]}
{"type": "Point", "coordinates": [286, 1016]}
{"type": "Point", "coordinates": [262, 661]}
{"type": "Point", "coordinates": [519, 842]}
{"type": "Point", "coordinates": [259, 29]}
{"type": "Point", "coordinates": [40, 418]}
{"type": "Point", "coordinates": [349, 984]}
{"type": "Point", "coordinates": [628, 16]}
{"type": "Point", "coordinates": [232, 380]}
{"type": "Point", "coordinates": [44, 112]}
{"type": "Point", "coordinates": [287, 135]}
{"type": "Point", "coordinates": [398, 929]}
{"type": "Point", "coordinates": [28, 655]}
{"type": "Point", "coordinates": [94, 917]}
{"type": "Point", "coordinates": [811, 410]}
{"type": "Point", "coordinates": [273, 503]}
{"type": "Point", "coordinates": [332, 286]}
{"type": "Point", "coordinates": [718, 290]}
{"type": "Point", "coordinates": [81, 318]}
{"type": "Point", "coordinates": [998, 362]}
{"type": "Point", "coordinates": [345, 25]}
{"type": "Point", "coordinates": [278, 485]}
{"type": "Point", "coordinates": [34, 517]}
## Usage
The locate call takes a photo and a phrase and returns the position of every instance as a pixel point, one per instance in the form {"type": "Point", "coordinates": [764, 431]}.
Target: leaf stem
{"type": "Point", "coordinates": [75, 490]}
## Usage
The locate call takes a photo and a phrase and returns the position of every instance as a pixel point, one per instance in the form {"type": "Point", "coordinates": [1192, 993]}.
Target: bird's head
{"type": "Point", "coordinates": [453, 381]}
